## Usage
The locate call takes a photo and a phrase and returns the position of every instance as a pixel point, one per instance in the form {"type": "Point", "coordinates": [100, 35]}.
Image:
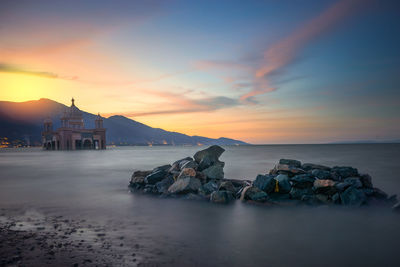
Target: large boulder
{"type": "Point", "coordinates": [353, 197]}
{"type": "Point", "coordinates": [311, 166]}
{"type": "Point", "coordinates": [342, 172]}
{"type": "Point", "coordinates": [185, 185]}
{"type": "Point", "coordinates": [215, 171]}
{"type": "Point", "coordinates": [176, 165]}
{"type": "Point", "coordinates": [156, 175]}
{"type": "Point", "coordinates": [303, 181]}
{"type": "Point", "coordinates": [265, 183]}
{"type": "Point", "coordinates": [284, 185]}
{"type": "Point", "coordinates": [253, 193]}
{"type": "Point", "coordinates": [189, 164]}
{"type": "Point", "coordinates": [212, 152]}
{"type": "Point", "coordinates": [208, 157]}
{"type": "Point", "coordinates": [290, 162]}
{"type": "Point", "coordinates": [222, 197]}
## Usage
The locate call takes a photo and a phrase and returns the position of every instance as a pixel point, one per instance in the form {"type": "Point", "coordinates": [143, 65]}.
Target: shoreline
{"type": "Point", "coordinates": [30, 238]}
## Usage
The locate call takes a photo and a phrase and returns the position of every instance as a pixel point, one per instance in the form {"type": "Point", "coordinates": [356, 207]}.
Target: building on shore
{"type": "Point", "coordinates": [72, 134]}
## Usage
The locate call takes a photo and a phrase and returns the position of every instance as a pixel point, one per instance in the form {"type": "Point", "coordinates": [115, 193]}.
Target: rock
{"type": "Point", "coordinates": [310, 166]}
{"type": "Point", "coordinates": [265, 183]}
{"type": "Point", "coordinates": [185, 185]}
{"type": "Point", "coordinates": [379, 194]}
{"type": "Point", "coordinates": [366, 180]}
{"type": "Point", "coordinates": [221, 197]}
{"type": "Point", "coordinates": [215, 171]}
{"type": "Point", "coordinates": [162, 168]}
{"type": "Point", "coordinates": [238, 183]}
{"type": "Point", "coordinates": [321, 174]}
{"type": "Point", "coordinates": [138, 177]}
{"type": "Point", "coordinates": [227, 186]}
{"type": "Point", "coordinates": [254, 193]}
{"type": "Point", "coordinates": [201, 176]}
{"type": "Point", "coordinates": [298, 193]}
{"type": "Point", "coordinates": [286, 169]}
{"type": "Point", "coordinates": [156, 176]}
{"type": "Point", "coordinates": [149, 188]}
{"type": "Point", "coordinates": [290, 162]}
{"type": "Point", "coordinates": [396, 207]}
{"type": "Point", "coordinates": [368, 191]}
{"type": "Point", "coordinates": [190, 164]}
{"type": "Point", "coordinates": [207, 188]}
{"type": "Point", "coordinates": [212, 153]}
{"type": "Point", "coordinates": [340, 172]}
{"type": "Point", "coordinates": [164, 184]}
{"type": "Point", "coordinates": [341, 186]}
{"type": "Point", "coordinates": [303, 181]}
{"type": "Point", "coordinates": [187, 172]}
{"type": "Point", "coordinates": [283, 183]}
{"type": "Point", "coordinates": [336, 199]}
{"type": "Point", "coordinates": [353, 197]}
{"type": "Point", "coordinates": [181, 160]}
{"type": "Point", "coordinates": [353, 181]}
{"type": "Point", "coordinates": [324, 187]}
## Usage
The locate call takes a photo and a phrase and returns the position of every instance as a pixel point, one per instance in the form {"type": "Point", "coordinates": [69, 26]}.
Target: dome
{"type": "Point", "coordinates": [74, 111]}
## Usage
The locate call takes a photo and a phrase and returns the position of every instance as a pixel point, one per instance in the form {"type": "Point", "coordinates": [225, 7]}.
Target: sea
{"type": "Point", "coordinates": [93, 185]}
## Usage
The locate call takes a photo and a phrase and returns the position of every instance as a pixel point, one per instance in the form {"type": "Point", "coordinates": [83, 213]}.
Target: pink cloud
{"type": "Point", "coordinates": [285, 51]}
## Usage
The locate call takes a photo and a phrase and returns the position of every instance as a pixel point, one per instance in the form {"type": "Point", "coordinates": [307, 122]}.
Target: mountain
{"type": "Point", "coordinates": [23, 122]}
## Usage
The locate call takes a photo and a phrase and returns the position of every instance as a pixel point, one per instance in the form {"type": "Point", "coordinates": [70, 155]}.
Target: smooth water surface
{"type": "Point", "coordinates": [93, 185]}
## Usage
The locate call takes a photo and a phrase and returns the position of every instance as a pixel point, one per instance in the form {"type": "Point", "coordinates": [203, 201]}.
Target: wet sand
{"type": "Point", "coordinates": [32, 239]}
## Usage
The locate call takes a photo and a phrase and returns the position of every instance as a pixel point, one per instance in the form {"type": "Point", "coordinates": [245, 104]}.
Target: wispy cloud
{"type": "Point", "coordinates": [19, 70]}
{"type": "Point", "coordinates": [183, 104]}
{"type": "Point", "coordinates": [286, 51]}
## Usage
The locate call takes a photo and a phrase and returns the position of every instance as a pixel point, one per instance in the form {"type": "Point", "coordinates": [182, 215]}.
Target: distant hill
{"type": "Point", "coordinates": [24, 120]}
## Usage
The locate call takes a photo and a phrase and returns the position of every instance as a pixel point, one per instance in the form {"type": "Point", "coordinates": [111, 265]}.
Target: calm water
{"type": "Point", "coordinates": [93, 185]}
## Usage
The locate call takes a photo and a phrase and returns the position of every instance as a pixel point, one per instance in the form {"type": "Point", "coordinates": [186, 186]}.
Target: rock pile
{"type": "Point", "coordinates": [289, 182]}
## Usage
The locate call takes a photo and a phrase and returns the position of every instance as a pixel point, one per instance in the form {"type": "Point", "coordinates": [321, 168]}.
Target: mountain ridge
{"type": "Point", "coordinates": [24, 120]}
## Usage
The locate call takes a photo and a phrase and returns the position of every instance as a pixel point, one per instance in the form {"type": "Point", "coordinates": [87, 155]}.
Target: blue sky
{"type": "Point", "coordinates": [261, 71]}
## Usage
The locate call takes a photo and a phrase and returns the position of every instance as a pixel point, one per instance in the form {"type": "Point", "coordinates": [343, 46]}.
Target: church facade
{"type": "Point", "coordinates": [72, 134]}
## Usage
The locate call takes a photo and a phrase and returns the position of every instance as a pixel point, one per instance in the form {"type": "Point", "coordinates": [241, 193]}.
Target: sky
{"type": "Point", "coordinates": [265, 72]}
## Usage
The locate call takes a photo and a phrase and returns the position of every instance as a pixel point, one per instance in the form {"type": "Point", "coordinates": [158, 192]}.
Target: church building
{"type": "Point", "coordinates": [72, 134]}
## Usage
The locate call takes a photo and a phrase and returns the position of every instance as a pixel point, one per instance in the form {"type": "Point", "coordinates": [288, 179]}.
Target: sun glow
{"type": "Point", "coordinates": [18, 88]}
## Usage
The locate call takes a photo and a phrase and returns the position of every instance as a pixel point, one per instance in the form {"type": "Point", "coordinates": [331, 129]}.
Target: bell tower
{"type": "Point", "coordinates": [99, 122]}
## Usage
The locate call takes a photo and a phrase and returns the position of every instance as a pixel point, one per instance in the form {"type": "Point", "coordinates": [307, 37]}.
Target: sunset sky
{"type": "Point", "coordinates": [259, 71]}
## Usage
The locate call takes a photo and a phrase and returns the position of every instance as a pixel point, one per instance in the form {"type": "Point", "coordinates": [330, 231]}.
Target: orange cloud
{"type": "Point", "coordinates": [181, 104]}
